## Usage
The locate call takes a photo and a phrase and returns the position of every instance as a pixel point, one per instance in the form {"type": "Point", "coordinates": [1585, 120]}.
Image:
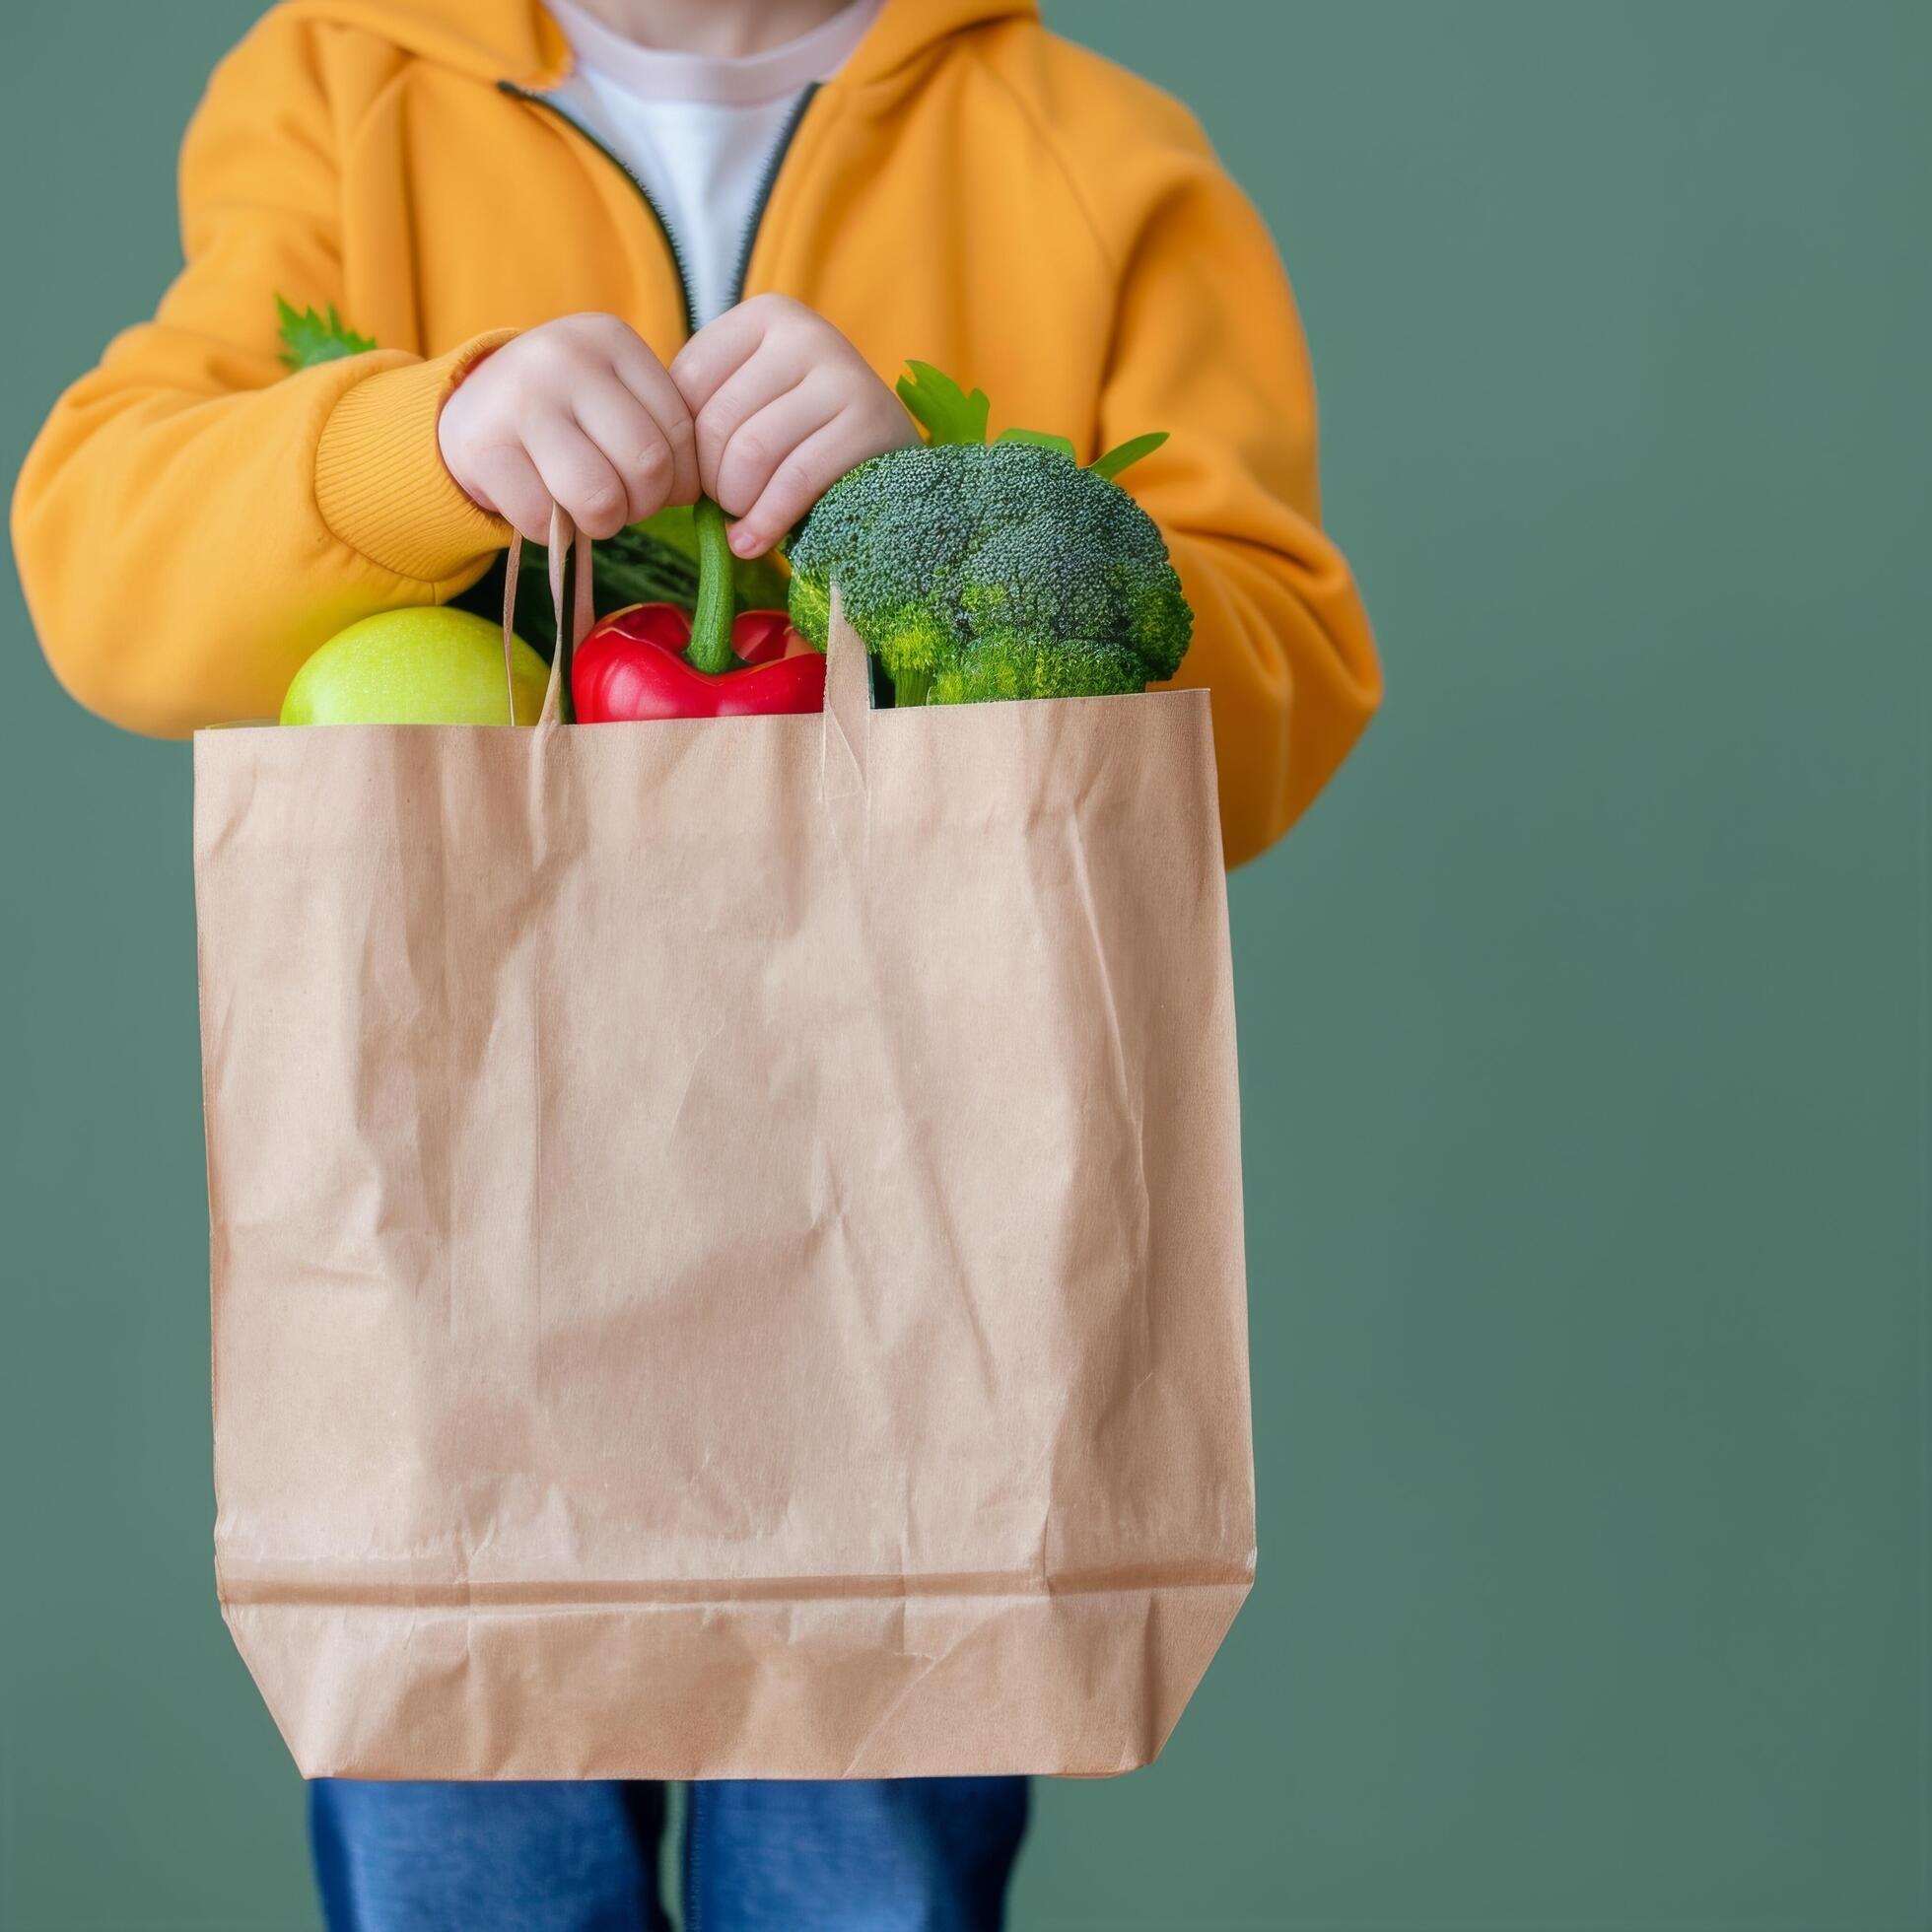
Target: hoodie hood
{"type": "Point", "coordinates": [517, 40]}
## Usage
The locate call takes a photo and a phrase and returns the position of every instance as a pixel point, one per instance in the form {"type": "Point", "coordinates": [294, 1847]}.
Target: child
{"type": "Point", "coordinates": [613, 252]}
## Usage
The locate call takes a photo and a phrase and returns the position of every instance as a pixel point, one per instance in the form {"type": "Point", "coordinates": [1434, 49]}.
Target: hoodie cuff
{"type": "Point", "coordinates": [380, 480]}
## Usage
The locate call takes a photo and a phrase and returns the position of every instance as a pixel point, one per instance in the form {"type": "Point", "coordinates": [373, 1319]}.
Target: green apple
{"type": "Point", "coordinates": [424, 666]}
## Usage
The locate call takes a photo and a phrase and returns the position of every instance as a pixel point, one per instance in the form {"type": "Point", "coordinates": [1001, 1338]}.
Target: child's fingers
{"type": "Point", "coordinates": [798, 483]}
{"type": "Point", "coordinates": [503, 480]}
{"type": "Point", "coordinates": [632, 442]}
{"type": "Point", "coordinates": [753, 451]}
{"type": "Point", "coordinates": [577, 474]}
{"type": "Point", "coordinates": [720, 349]}
{"type": "Point", "coordinates": [650, 381]}
{"type": "Point", "coordinates": [749, 390]}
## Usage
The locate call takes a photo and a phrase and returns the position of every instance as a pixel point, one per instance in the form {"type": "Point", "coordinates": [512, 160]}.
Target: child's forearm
{"type": "Point", "coordinates": [1281, 643]}
{"type": "Point", "coordinates": [185, 542]}
{"type": "Point", "coordinates": [193, 520]}
{"type": "Point", "coordinates": [1210, 347]}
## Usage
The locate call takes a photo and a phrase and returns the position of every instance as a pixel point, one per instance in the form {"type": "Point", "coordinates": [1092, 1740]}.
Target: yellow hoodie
{"type": "Point", "coordinates": [193, 521]}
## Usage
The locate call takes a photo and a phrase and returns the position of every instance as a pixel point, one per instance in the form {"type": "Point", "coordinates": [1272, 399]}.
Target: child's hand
{"type": "Point", "coordinates": [579, 412]}
{"type": "Point", "coordinates": [784, 406]}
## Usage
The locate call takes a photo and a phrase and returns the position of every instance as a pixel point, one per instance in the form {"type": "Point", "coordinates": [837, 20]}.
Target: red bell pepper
{"type": "Point", "coordinates": [653, 661]}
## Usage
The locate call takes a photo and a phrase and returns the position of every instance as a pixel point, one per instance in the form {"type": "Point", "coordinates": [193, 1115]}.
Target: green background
{"type": "Point", "coordinates": [1583, 1025]}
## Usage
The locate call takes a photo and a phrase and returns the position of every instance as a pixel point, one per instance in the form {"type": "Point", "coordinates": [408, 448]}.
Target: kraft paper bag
{"type": "Point", "coordinates": [727, 1237]}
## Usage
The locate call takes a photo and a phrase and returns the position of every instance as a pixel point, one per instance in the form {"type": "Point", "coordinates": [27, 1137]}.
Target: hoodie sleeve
{"type": "Point", "coordinates": [1208, 346]}
{"type": "Point", "coordinates": [192, 520]}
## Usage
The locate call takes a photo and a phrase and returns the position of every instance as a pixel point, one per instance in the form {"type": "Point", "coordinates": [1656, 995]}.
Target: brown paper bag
{"type": "Point", "coordinates": [727, 1237]}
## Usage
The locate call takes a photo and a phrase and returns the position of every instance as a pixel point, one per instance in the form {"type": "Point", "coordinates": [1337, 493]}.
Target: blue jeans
{"type": "Point", "coordinates": [883, 1855]}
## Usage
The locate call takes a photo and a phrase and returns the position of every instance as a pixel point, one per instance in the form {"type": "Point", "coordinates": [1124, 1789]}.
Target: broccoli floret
{"type": "Point", "coordinates": [1004, 570]}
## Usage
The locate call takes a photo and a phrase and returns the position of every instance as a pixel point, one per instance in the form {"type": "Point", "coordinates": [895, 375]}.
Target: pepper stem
{"type": "Point", "coordinates": [710, 649]}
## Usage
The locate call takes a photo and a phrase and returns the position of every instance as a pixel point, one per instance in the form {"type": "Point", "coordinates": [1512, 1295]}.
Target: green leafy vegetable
{"type": "Point", "coordinates": [940, 407]}
{"type": "Point", "coordinates": [948, 414]}
{"type": "Point", "coordinates": [991, 571]}
{"type": "Point", "coordinates": [1002, 570]}
{"type": "Point", "coordinates": [1130, 451]}
{"type": "Point", "coordinates": [309, 338]}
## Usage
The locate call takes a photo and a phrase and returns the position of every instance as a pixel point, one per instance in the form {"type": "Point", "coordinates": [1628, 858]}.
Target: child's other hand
{"type": "Point", "coordinates": [577, 412]}
{"type": "Point", "coordinates": [784, 406]}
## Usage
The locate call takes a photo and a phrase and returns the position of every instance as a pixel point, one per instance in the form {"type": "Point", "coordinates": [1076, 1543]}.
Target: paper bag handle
{"type": "Point", "coordinates": [848, 707]}
{"type": "Point", "coordinates": [565, 538]}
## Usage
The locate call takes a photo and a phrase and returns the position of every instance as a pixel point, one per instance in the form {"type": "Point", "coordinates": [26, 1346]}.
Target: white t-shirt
{"type": "Point", "coordinates": [698, 130]}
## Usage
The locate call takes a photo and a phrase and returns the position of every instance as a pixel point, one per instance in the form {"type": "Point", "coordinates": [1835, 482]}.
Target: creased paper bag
{"type": "Point", "coordinates": [726, 1238]}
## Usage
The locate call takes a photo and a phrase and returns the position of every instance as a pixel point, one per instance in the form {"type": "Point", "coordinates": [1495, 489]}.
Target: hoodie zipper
{"type": "Point", "coordinates": [767, 182]}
